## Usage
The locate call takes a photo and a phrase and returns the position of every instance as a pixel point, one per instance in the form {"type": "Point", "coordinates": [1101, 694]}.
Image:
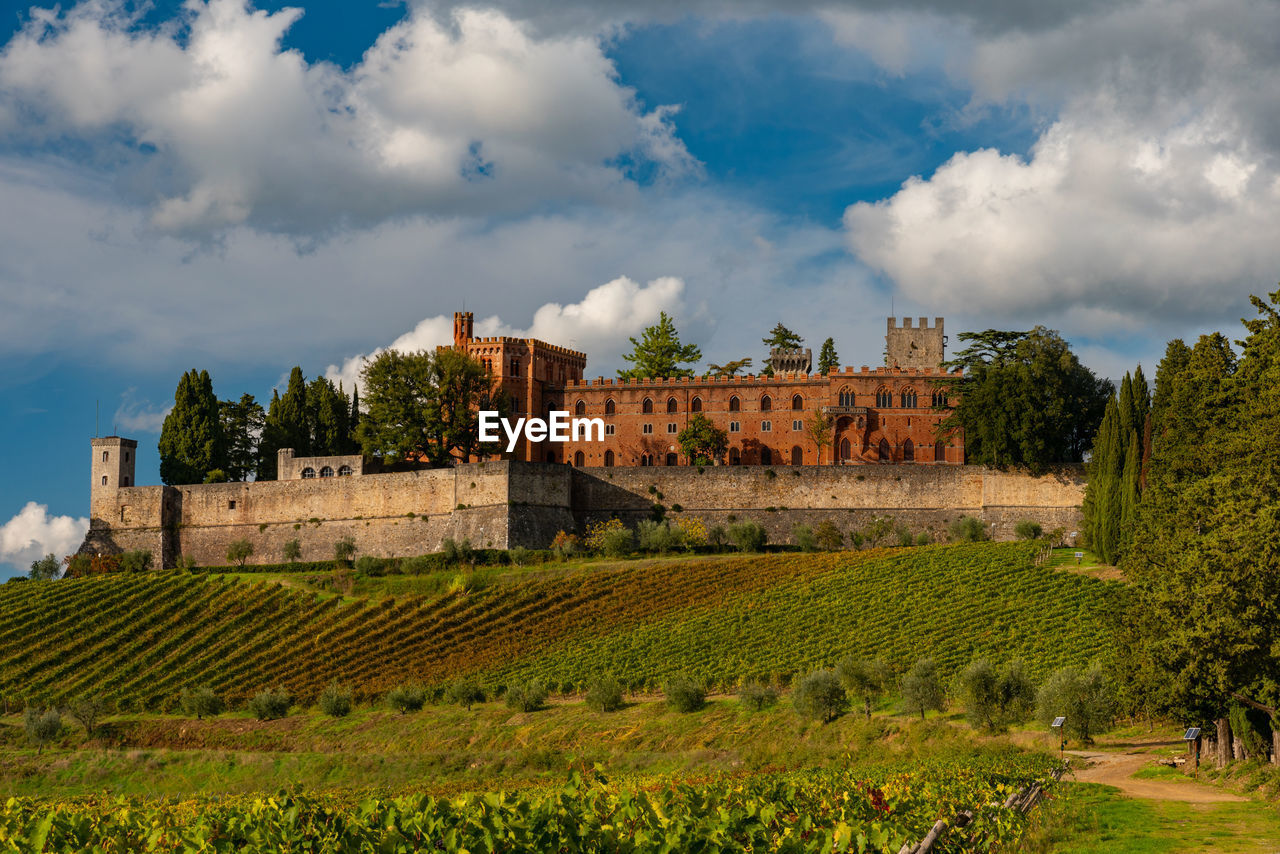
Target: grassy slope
{"type": "Point", "coordinates": [143, 638]}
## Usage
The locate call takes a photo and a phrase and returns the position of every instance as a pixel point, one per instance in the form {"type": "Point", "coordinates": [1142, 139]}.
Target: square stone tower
{"type": "Point", "coordinates": [111, 469]}
{"type": "Point", "coordinates": [922, 347]}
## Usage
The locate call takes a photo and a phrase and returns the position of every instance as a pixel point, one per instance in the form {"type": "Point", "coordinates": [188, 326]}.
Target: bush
{"type": "Point", "coordinates": [187, 563]}
{"type": "Point", "coordinates": [200, 702]}
{"type": "Point", "coordinates": [658, 537]}
{"type": "Point", "coordinates": [465, 693]}
{"type": "Point", "coordinates": [1084, 697]}
{"type": "Point", "coordinates": [1028, 530]}
{"type": "Point", "coordinates": [828, 536]}
{"type": "Point", "coordinates": [89, 711]}
{"type": "Point", "coordinates": [922, 689]}
{"type": "Point", "coordinates": [528, 697]}
{"type": "Point", "coordinates": [617, 542]}
{"type": "Point", "coordinates": [967, 529]}
{"type": "Point", "coordinates": [417, 565]}
{"type": "Point", "coordinates": [748, 536]}
{"type": "Point", "coordinates": [520, 556]}
{"type": "Point", "coordinates": [924, 538]}
{"type": "Point", "coordinates": [371, 566]}
{"type": "Point", "coordinates": [857, 538]}
{"type": "Point", "coordinates": [42, 726]}
{"type": "Point", "coordinates": [457, 553]}
{"type": "Point", "coordinates": [605, 695]}
{"type": "Point", "coordinates": [292, 551]}
{"type": "Point", "coordinates": [685, 695]}
{"type": "Point", "coordinates": [565, 545]}
{"type": "Point", "coordinates": [876, 530]}
{"type": "Point", "coordinates": [406, 698]}
{"type": "Point", "coordinates": [717, 537]}
{"type": "Point", "coordinates": [692, 530]}
{"type": "Point", "coordinates": [336, 701]}
{"type": "Point", "coordinates": [867, 679]}
{"type": "Point", "coordinates": [820, 695]}
{"type": "Point", "coordinates": [905, 537]}
{"type": "Point", "coordinates": [270, 705]}
{"type": "Point", "coordinates": [344, 549]}
{"type": "Point", "coordinates": [239, 552]}
{"type": "Point", "coordinates": [755, 696]}
{"type": "Point", "coordinates": [804, 538]}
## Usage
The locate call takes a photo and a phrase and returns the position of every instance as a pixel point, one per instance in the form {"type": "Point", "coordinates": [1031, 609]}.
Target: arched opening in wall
{"type": "Point", "coordinates": [735, 457]}
{"type": "Point", "coordinates": [579, 458]}
{"type": "Point", "coordinates": [846, 397]}
{"type": "Point", "coordinates": [106, 456]}
{"type": "Point", "coordinates": [671, 404]}
{"type": "Point", "coordinates": [766, 457]}
{"type": "Point", "coordinates": [647, 406]}
{"type": "Point", "coordinates": [551, 456]}
{"type": "Point", "coordinates": [940, 451]}
{"type": "Point", "coordinates": [909, 399]}
{"type": "Point", "coordinates": [673, 460]}
{"type": "Point", "coordinates": [327, 471]}
{"type": "Point", "coordinates": [886, 455]}
{"type": "Point", "coordinates": [308, 473]}
{"type": "Point", "coordinates": [908, 451]}
{"type": "Point", "coordinates": [646, 459]}
{"type": "Point", "coordinates": [344, 471]}
{"type": "Point", "coordinates": [766, 403]}
{"type": "Point", "coordinates": [735, 404]}
{"type": "Point", "coordinates": [884, 398]}
{"type": "Point", "coordinates": [695, 405]}
{"type": "Point", "coordinates": [608, 459]}
{"type": "Point", "coordinates": [580, 408]}
{"type": "Point", "coordinates": [104, 480]}
{"type": "Point", "coordinates": [124, 481]}
{"type": "Point", "coordinates": [939, 398]}
{"type": "Point", "coordinates": [797, 402]}
{"type": "Point", "coordinates": [846, 450]}
{"type": "Point", "coordinates": [610, 407]}
{"type": "Point", "coordinates": [797, 456]}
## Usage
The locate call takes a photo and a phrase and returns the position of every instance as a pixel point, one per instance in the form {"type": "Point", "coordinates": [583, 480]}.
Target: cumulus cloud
{"type": "Point", "coordinates": [217, 125]}
{"type": "Point", "coordinates": [33, 533]}
{"type": "Point", "coordinates": [138, 416]}
{"type": "Point", "coordinates": [605, 317]}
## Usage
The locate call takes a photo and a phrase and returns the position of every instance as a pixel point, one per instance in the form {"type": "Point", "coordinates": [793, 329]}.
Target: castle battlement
{"type": "Point", "coordinates": [761, 379]}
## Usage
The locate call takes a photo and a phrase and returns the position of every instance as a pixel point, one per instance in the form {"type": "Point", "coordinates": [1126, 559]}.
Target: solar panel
{"type": "Point", "coordinates": [1057, 722]}
{"type": "Point", "coordinates": [1191, 734]}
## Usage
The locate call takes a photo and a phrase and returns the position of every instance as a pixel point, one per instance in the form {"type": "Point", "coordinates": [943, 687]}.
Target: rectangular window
{"type": "Point", "coordinates": [766, 426]}
{"type": "Point", "coordinates": [797, 425]}
{"type": "Point", "coordinates": [231, 505]}
{"type": "Point", "coordinates": [673, 428]}
{"type": "Point", "coordinates": [648, 428]}
{"type": "Point", "coordinates": [104, 480]}
{"type": "Point", "coordinates": [608, 429]}
{"type": "Point", "coordinates": [734, 426]}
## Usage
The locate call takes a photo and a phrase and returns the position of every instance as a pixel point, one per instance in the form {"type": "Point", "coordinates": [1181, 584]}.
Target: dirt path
{"type": "Point", "coordinates": [1117, 769]}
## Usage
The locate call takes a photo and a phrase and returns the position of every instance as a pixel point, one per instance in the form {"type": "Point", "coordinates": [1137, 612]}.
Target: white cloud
{"type": "Point", "coordinates": [33, 533]}
{"type": "Point", "coordinates": [605, 317]}
{"type": "Point", "coordinates": [218, 126]}
{"type": "Point", "coordinates": [138, 416]}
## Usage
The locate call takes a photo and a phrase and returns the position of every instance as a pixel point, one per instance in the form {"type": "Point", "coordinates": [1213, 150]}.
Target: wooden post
{"type": "Point", "coordinates": [1224, 742]}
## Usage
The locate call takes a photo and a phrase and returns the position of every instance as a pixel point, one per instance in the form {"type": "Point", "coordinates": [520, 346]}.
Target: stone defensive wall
{"type": "Point", "coordinates": [784, 378]}
{"type": "Point", "coordinates": [504, 504]}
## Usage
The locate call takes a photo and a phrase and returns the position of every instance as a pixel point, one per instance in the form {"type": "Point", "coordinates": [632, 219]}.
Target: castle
{"type": "Point", "coordinates": [776, 474]}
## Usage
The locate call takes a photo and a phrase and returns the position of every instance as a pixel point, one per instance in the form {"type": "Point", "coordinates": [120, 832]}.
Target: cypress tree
{"type": "Point", "coordinates": [827, 357]}
{"type": "Point", "coordinates": [353, 422]}
{"type": "Point", "coordinates": [291, 418]}
{"type": "Point", "coordinates": [270, 443]}
{"type": "Point", "coordinates": [191, 440]}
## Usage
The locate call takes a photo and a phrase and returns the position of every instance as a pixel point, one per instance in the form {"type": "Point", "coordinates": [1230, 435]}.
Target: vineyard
{"type": "Point", "coordinates": [141, 638]}
{"type": "Point", "coordinates": [810, 811]}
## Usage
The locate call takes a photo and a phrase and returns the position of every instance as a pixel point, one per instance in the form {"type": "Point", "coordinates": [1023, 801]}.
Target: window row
{"type": "Point", "coordinates": [907, 399]}
{"type": "Point", "coordinates": [327, 471]}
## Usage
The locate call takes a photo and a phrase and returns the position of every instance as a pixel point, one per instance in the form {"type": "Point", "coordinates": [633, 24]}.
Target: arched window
{"type": "Point", "coordinates": [940, 452]}
{"type": "Point", "coordinates": [579, 459]}
{"type": "Point", "coordinates": [846, 397]}
{"type": "Point", "coordinates": [647, 406]}
{"type": "Point", "coordinates": [344, 471]}
{"type": "Point", "coordinates": [797, 402]}
{"type": "Point", "coordinates": [646, 459]}
{"type": "Point", "coordinates": [766, 457]}
{"type": "Point", "coordinates": [106, 455]}
{"type": "Point", "coordinates": [608, 458]}
{"type": "Point", "coordinates": [327, 471]}
{"type": "Point", "coordinates": [886, 455]}
{"type": "Point", "coordinates": [672, 460]}
{"type": "Point", "coordinates": [939, 398]}
{"type": "Point", "coordinates": [797, 456]}
{"type": "Point", "coordinates": [671, 404]}
{"type": "Point", "coordinates": [908, 451]}
{"type": "Point", "coordinates": [884, 399]}
{"type": "Point", "coordinates": [580, 408]}
{"type": "Point", "coordinates": [104, 479]}
{"type": "Point", "coordinates": [766, 403]}
{"type": "Point", "coordinates": [909, 399]}
{"type": "Point", "coordinates": [734, 404]}
{"type": "Point", "coordinates": [695, 405]}
{"type": "Point", "coordinates": [610, 407]}
{"type": "Point", "coordinates": [735, 457]}
{"type": "Point", "coordinates": [846, 452]}
{"type": "Point", "coordinates": [308, 473]}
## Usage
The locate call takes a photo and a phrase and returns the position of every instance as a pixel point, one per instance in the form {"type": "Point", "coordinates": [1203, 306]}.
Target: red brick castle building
{"type": "Point", "coordinates": [877, 415]}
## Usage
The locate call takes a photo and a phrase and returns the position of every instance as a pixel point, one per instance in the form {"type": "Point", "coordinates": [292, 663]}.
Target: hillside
{"type": "Point", "coordinates": [141, 638]}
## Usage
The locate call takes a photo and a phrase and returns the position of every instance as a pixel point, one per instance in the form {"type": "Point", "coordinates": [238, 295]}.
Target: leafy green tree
{"type": "Point", "coordinates": [1114, 483]}
{"type": "Point", "coordinates": [466, 693]}
{"type": "Point", "coordinates": [995, 698]}
{"type": "Point", "coordinates": [336, 701]}
{"type": "Point", "coordinates": [1024, 399]}
{"type": "Point", "coordinates": [828, 536]}
{"type": "Point", "coordinates": [748, 536]}
{"type": "Point", "coordinates": [243, 421]}
{"type": "Point", "coordinates": [685, 694]}
{"type": "Point", "coordinates": [463, 389]}
{"type": "Point", "coordinates": [779, 338]}
{"type": "Point", "coordinates": [604, 695]}
{"type": "Point", "coordinates": [867, 679]}
{"type": "Point", "coordinates": [42, 726]}
{"type": "Point", "coordinates": [1028, 529]}
{"type": "Point", "coordinates": [729, 369]}
{"type": "Point", "coordinates": [328, 418]}
{"type": "Point", "coordinates": [406, 698]}
{"type": "Point", "coordinates": [922, 688]}
{"type": "Point", "coordinates": [1084, 697]}
{"type": "Point", "coordinates": [46, 568]}
{"type": "Point", "coordinates": [818, 428]}
{"type": "Point", "coordinates": [820, 695]}
{"type": "Point", "coordinates": [400, 408]}
{"type": "Point", "coordinates": [292, 417]}
{"type": "Point", "coordinates": [191, 440]}
{"type": "Point", "coordinates": [200, 703]}
{"type": "Point", "coordinates": [701, 441]}
{"type": "Point", "coordinates": [271, 705]}
{"type": "Point", "coordinates": [659, 353]}
{"type": "Point", "coordinates": [239, 552]}
{"type": "Point", "coordinates": [758, 697]}
{"type": "Point", "coordinates": [89, 710]}
{"type": "Point", "coordinates": [527, 697]}
{"type": "Point", "coordinates": [828, 359]}
{"type": "Point", "coordinates": [292, 550]}
{"type": "Point", "coordinates": [343, 550]}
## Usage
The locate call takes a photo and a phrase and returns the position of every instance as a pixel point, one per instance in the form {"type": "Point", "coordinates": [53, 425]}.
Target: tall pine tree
{"type": "Point", "coordinates": [191, 440]}
{"type": "Point", "coordinates": [828, 360]}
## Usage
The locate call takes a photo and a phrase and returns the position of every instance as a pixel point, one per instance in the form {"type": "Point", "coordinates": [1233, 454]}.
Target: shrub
{"type": "Point", "coordinates": [371, 566]}
{"type": "Point", "coordinates": [343, 550]}
{"type": "Point", "coordinates": [867, 679]}
{"type": "Point", "coordinates": [924, 538]}
{"type": "Point", "coordinates": [717, 537]}
{"type": "Point", "coordinates": [658, 537]}
{"type": "Point", "coordinates": [803, 537]}
{"type": "Point", "coordinates": [465, 693]}
{"type": "Point", "coordinates": [416, 565]}
{"type": "Point", "coordinates": [565, 545]}
{"type": "Point", "coordinates": [611, 538]}
{"type": "Point", "coordinates": [967, 529]}
{"type": "Point", "coordinates": [42, 726]}
{"type": "Point", "coordinates": [1028, 530]}
{"type": "Point", "coordinates": [200, 702]}
{"type": "Point", "coordinates": [922, 689]}
{"type": "Point", "coordinates": [1084, 697]}
{"type": "Point", "coordinates": [748, 536]}
{"type": "Point", "coordinates": [820, 695]}
{"type": "Point", "coordinates": [685, 695]}
{"type": "Point", "coordinates": [457, 553]}
{"type": "Point", "coordinates": [605, 695]}
{"type": "Point", "coordinates": [292, 550]}
{"type": "Point", "coordinates": [755, 696]}
{"type": "Point", "coordinates": [336, 701]}
{"type": "Point", "coordinates": [520, 556]}
{"type": "Point", "coordinates": [692, 530]}
{"type": "Point", "coordinates": [270, 705]}
{"type": "Point", "coordinates": [239, 552]}
{"type": "Point", "coordinates": [89, 711]}
{"type": "Point", "coordinates": [828, 536]}
{"type": "Point", "coordinates": [528, 697]}
{"type": "Point", "coordinates": [905, 537]}
{"type": "Point", "coordinates": [876, 530]}
{"type": "Point", "coordinates": [187, 563]}
{"type": "Point", "coordinates": [406, 698]}
{"type": "Point", "coordinates": [856, 539]}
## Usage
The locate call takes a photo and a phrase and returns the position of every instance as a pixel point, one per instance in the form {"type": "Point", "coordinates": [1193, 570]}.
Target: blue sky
{"type": "Point", "coordinates": [244, 187]}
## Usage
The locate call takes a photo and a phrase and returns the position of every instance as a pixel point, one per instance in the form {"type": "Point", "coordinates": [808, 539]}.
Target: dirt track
{"type": "Point", "coordinates": [1117, 769]}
